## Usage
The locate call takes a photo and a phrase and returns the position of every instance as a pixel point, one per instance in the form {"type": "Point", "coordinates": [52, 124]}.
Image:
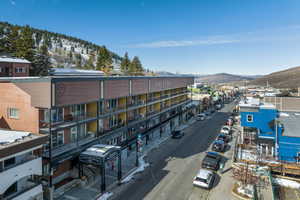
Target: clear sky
{"type": "Point", "coordinates": [186, 36]}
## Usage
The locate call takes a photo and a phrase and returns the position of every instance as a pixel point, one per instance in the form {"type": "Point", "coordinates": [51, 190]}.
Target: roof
{"type": "Point", "coordinates": [255, 103]}
{"type": "Point", "coordinates": [13, 60]}
{"type": "Point", "coordinates": [10, 137]}
{"type": "Point", "coordinates": [290, 121]}
{"type": "Point", "coordinates": [203, 173]}
{"type": "Point", "coordinates": [74, 72]}
{"type": "Point", "coordinates": [7, 136]}
{"type": "Point", "coordinates": [100, 150]}
{"type": "Point", "coordinates": [74, 77]}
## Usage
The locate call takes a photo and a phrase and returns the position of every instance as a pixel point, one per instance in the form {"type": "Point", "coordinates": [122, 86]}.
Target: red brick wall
{"type": "Point", "coordinates": [156, 84]}
{"type": "Point", "coordinates": [62, 168]}
{"type": "Point", "coordinates": [13, 97]}
{"type": "Point", "coordinates": [12, 67]}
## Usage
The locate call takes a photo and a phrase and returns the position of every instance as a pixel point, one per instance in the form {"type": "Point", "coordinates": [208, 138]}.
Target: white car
{"type": "Point", "coordinates": [201, 117]}
{"type": "Point", "coordinates": [204, 178]}
{"type": "Point", "coordinates": [226, 130]}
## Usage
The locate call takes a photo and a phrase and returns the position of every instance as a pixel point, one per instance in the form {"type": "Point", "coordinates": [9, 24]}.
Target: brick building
{"type": "Point", "coordinates": [78, 112]}
{"type": "Point", "coordinates": [14, 67]}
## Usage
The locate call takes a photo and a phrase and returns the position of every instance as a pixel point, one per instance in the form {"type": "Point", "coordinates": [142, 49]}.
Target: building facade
{"type": "Point", "coordinates": [277, 133]}
{"type": "Point", "coordinates": [21, 165]}
{"type": "Point", "coordinates": [78, 112]}
{"type": "Point", "coordinates": [14, 67]}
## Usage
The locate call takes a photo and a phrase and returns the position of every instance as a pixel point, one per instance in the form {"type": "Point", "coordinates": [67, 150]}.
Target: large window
{"type": "Point", "coordinates": [13, 113]}
{"type": "Point", "coordinates": [111, 104]}
{"type": "Point", "coordinates": [249, 118]}
{"type": "Point", "coordinates": [74, 134]}
{"type": "Point", "coordinates": [9, 162]}
{"type": "Point", "coordinates": [56, 115]}
{"type": "Point", "coordinates": [78, 110]}
{"type": "Point", "coordinates": [20, 70]}
{"type": "Point", "coordinates": [82, 131]}
{"type": "Point", "coordinates": [57, 138]}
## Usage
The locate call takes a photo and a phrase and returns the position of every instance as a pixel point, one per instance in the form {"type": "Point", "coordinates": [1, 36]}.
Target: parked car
{"type": "Point", "coordinates": [226, 130]}
{"type": "Point", "coordinates": [218, 106]}
{"type": "Point", "coordinates": [212, 111]}
{"type": "Point", "coordinates": [177, 134]}
{"type": "Point", "coordinates": [211, 161]}
{"type": "Point", "coordinates": [219, 146]}
{"type": "Point", "coordinates": [204, 178]}
{"type": "Point", "coordinates": [201, 117]}
{"type": "Point", "coordinates": [223, 137]}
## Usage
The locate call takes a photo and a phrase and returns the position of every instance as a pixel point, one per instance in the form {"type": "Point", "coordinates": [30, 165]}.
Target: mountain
{"type": "Point", "coordinates": [289, 78]}
{"type": "Point", "coordinates": [65, 51]}
{"type": "Point", "coordinates": [221, 78]}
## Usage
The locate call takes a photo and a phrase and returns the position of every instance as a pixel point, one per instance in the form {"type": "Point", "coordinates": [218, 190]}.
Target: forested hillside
{"type": "Point", "coordinates": [47, 49]}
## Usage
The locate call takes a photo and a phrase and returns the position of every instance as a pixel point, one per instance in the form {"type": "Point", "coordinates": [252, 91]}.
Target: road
{"type": "Point", "coordinates": [174, 164]}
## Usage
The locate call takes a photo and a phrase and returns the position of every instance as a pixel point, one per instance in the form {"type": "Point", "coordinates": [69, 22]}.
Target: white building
{"type": "Point", "coordinates": [20, 165]}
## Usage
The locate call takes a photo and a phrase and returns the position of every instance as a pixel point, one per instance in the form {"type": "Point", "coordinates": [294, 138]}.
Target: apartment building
{"type": "Point", "coordinates": [21, 165]}
{"type": "Point", "coordinates": [14, 67]}
{"type": "Point", "coordinates": [78, 112]}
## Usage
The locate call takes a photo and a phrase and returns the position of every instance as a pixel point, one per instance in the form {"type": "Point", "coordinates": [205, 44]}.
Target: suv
{"type": "Point", "coordinates": [219, 146]}
{"type": "Point", "coordinates": [204, 178]}
{"type": "Point", "coordinates": [211, 161]}
{"type": "Point", "coordinates": [223, 137]}
{"type": "Point", "coordinates": [201, 117]}
{"type": "Point", "coordinates": [226, 130]}
{"type": "Point", "coordinates": [177, 134]}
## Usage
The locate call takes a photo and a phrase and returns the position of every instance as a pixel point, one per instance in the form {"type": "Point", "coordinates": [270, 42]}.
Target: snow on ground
{"type": "Point", "coordinates": [287, 183]}
{"type": "Point", "coordinates": [282, 114]}
{"type": "Point", "coordinates": [105, 196]}
{"type": "Point", "coordinates": [248, 155]}
{"type": "Point", "coordinates": [142, 166]}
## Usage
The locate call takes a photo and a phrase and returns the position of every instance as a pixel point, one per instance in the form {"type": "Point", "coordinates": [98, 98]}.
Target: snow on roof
{"type": "Point", "coordinates": [8, 136]}
{"type": "Point", "coordinates": [13, 60]}
{"type": "Point", "coordinates": [255, 102]}
{"type": "Point", "coordinates": [99, 150]}
{"type": "Point", "coordinates": [70, 71]}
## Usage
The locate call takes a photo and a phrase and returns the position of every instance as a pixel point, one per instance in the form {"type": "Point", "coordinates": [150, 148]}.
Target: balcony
{"type": "Point", "coordinates": [137, 103]}
{"type": "Point", "coordinates": [56, 151]}
{"type": "Point", "coordinates": [19, 171]}
{"type": "Point", "coordinates": [114, 127]}
{"type": "Point", "coordinates": [67, 120]}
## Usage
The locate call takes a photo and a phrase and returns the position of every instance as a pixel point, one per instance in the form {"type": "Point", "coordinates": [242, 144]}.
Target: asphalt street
{"type": "Point", "coordinates": [174, 164]}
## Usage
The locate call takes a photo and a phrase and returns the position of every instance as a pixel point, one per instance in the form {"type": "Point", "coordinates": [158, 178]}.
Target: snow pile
{"type": "Point", "coordinates": [287, 183]}
{"type": "Point", "coordinates": [248, 155]}
{"type": "Point", "coordinates": [105, 196]}
{"type": "Point", "coordinates": [282, 114]}
{"type": "Point", "coordinates": [142, 166]}
{"type": "Point", "coordinates": [247, 190]}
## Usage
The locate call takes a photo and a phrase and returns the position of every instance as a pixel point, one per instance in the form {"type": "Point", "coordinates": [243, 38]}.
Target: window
{"type": "Point", "coordinates": [113, 121]}
{"type": "Point", "coordinates": [1, 70]}
{"type": "Point", "coordinates": [249, 118]}
{"type": "Point", "coordinates": [58, 138]}
{"type": "Point", "coordinates": [78, 110]}
{"type": "Point", "coordinates": [9, 162]}
{"type": "Point", "coordinates": [13, 113]}
{"type": "Point", "coordinates": [20, 69]}
{"type": "Point", "coordinates": [82, 131]}
{"type": "Point", "coordinates": [74, 134]}
{"type": "Point", "coordinates": [56, 115]}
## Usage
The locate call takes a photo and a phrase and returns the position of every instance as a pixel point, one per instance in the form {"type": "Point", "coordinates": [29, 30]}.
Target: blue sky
{"type": "Point", "coordinates": [186, 36]}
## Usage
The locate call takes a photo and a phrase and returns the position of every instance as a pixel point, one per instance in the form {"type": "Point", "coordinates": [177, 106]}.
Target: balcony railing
{"type": "Point", "coordinates": [136, 103]}
{"type": "Point", "coordinates": [69, 119]}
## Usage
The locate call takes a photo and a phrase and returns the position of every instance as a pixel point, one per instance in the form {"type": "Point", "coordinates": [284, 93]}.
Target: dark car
{"type": "Point", "coordinates": [212, 111]}
{"type": "Point", "coordinates": [219, 146]}
{"type": "Point", "coordinates": [223, 137]}
{"type": "Point", "coordinates": [177, 134]}
{"type": "Point", "coordinates": [211, 161]}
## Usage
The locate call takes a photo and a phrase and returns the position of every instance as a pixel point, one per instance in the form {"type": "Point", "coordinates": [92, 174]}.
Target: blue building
{"type": "Point", "coordinates": [277, 134]}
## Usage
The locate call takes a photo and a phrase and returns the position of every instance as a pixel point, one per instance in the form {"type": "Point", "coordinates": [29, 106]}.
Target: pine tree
{"type": "Point", "coordinates": [90, 63]}
{"type": "Point", "coordinates": [11, 42]}
{"type": "Point", "coordinates": [104, 60]}
{"type": "Point", "coordinates": [40, 65]}
{"type": "Point", "coordinates": [25, 44]}
{"type": "Point", "coordinates": [125, 63]}
{"type": "Point", "coordinates": [136, 67]}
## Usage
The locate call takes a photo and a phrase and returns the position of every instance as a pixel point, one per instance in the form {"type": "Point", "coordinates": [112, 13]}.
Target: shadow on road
{"type": "Point", "coordinates": [198, 137]}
